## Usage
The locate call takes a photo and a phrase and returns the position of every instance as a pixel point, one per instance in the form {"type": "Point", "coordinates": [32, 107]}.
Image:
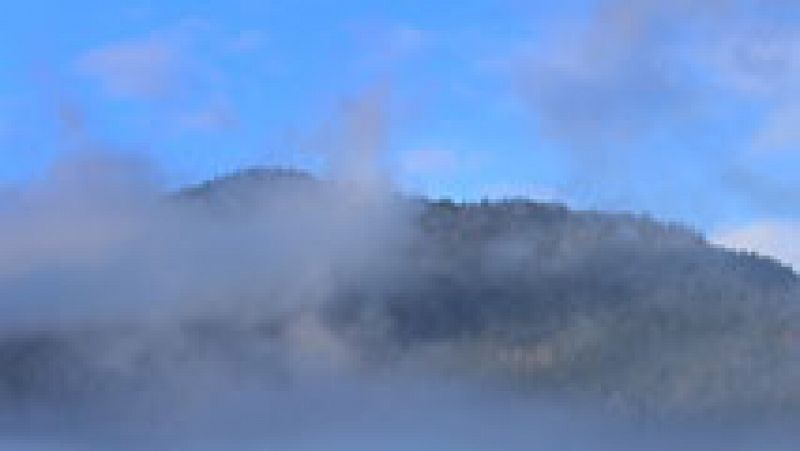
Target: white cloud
{"type": "Point", "coordinates": [778, 239]}
{"type": "Point", "coordinates": [174, 71]}
{"type": "Point", "coordinates": [666, 89]}
{"type": "Point", "coordinates": [136, 68]}
{"type": "Point", "coordinates": [639, 68]}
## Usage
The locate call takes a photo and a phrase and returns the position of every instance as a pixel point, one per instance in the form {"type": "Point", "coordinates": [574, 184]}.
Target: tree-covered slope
{"type": "Point", "coordinates": [607, 307]}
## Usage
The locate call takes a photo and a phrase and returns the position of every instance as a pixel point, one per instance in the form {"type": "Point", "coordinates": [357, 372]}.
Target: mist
{"type": "Point", "coordinates": [279, 308]}
{"type": "Point", "coordinates": [272, 308]}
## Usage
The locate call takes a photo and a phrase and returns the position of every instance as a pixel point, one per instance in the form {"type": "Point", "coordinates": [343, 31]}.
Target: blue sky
{"type": "Point", "coordinates": [682, 110]}
{"type": "Point", "coordinates": [278, 69]}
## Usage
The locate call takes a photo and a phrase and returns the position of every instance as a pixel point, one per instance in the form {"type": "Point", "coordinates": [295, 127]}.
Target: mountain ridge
{"type": "Point", "coordinates": [615, 308]}
{"type": "Point", "coordinates": [249, 177]}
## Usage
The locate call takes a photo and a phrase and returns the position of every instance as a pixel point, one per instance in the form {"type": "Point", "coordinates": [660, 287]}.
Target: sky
{"type": "Point", "coordinates": [682, 110]}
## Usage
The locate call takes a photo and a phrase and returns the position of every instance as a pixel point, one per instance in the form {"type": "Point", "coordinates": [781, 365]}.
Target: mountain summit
{"type": "Point", "coordinates": [616, 309]}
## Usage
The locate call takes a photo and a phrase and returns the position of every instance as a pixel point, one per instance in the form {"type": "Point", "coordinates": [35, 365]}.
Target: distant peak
{"type": "Point", "coordinates": [266, 173]}
{"type": "Point", "coordinates": [247, 176]}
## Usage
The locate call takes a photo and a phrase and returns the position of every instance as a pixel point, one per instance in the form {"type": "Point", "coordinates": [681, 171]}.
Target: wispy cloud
{"type": "Point", "coordinates": [635, 93]}
{"type": "Point", "coordinates": [636, 69]}
{"type": "Point", "coordinates": [147, 67]}
{"type": "Point", "coordinates": [610, 80]}
{"type": "Point", "coordinates": [175, 70]}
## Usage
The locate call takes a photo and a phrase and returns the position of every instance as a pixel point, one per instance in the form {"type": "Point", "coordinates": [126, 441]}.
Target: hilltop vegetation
{"type": "Point", "coordinates": [614, 308]}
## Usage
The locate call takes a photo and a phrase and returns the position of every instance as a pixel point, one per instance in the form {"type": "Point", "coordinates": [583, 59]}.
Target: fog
{"type": "Point", "coordinates": [138, 318]}
{"type": "Point", "coordinates": [272, 310]}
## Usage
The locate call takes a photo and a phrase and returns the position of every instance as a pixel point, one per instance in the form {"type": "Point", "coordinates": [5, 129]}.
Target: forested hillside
{"type": "Point", "coordinates": [613, 308]}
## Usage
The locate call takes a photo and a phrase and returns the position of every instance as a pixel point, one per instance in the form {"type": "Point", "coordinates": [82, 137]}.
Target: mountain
{"type": "Point", "coordinates": [610, 308]}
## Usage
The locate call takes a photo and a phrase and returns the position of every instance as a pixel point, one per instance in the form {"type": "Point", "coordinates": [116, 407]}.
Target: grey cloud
{"type": "Point", "coordinates": [278, 308]}
{"type": "Point", "coordinates": [610, 80]}
{"type": "Point", "coordinates": [661, 89]}
{"type": "Point", "coordinates": [640, 67]}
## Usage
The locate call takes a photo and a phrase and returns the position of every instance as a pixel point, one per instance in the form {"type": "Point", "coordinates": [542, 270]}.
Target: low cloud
{"type": "Point", "coordinates": [105, 219]}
